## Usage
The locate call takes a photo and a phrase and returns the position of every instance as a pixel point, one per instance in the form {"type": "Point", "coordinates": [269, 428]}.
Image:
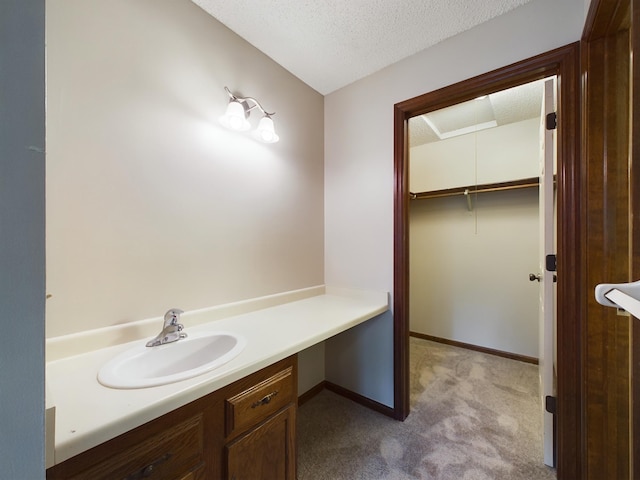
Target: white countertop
{"type": "Point", "coordinates": [88, 414]}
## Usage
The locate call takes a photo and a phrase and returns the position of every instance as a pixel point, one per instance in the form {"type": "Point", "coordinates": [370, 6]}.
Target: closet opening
{"type": "Point", "coordinates": [480, 194]}
{"type": "Point", "coordinates": [470, 204]}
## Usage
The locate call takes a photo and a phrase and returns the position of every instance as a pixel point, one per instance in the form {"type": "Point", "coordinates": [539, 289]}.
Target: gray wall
{"type": "Point", "coordinates": [22, 170]}
{"type": "Point", "coordinates": [359, 164]}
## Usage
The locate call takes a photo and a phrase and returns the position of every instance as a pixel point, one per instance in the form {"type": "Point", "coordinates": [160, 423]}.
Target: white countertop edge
{"type": "Point", "coordinates": [273, 333]}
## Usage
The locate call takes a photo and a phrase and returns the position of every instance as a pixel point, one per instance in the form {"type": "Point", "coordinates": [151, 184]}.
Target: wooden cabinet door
{"type": "Point", "coordinates": [265, 453]}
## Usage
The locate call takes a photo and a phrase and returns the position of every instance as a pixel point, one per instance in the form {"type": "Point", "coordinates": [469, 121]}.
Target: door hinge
{"type": "Point", "coordinates": [550, 404]}
{"type": "Point", "coordinates": [552, 121]}
{"type": "Point", "coordinates": [551, 263]}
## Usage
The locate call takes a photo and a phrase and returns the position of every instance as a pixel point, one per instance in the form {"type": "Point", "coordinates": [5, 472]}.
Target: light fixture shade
{"type": "Point", "coordinates": [235, 118]}
{"type": "Point", "coordinates": [266, 132]}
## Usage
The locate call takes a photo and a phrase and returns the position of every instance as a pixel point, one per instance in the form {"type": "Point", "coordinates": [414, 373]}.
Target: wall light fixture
{"type": "Point", "coordinates": [237, 118]}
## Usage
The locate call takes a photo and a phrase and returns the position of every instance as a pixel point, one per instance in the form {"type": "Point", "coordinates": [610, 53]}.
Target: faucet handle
{"type": "Point", "coordinates": [172, 316]}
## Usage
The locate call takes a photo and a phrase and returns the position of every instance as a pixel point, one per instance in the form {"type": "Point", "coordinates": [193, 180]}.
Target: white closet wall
{"type": "Point", "coordinates": [500, 154]}
{"type": "Point", "coordinates": [469, 268]}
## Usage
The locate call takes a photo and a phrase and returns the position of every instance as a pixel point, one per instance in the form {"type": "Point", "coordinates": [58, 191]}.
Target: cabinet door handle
{"type": "Point", "coordinates": [264, 400]}
{"type": "Point", "coordinates": [147, 471]}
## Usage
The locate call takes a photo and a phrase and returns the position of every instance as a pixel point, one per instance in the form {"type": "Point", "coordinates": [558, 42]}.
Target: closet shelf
{"type": "Point", "coordinates": [487, 187]}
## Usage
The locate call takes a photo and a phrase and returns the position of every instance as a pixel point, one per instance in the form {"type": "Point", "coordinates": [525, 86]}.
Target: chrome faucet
{"type": "Point", "coordinates": [171, 331]}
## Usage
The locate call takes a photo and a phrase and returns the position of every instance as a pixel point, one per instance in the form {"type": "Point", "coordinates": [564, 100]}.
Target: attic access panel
{"type": "Point", "coordinates": [497, 109]}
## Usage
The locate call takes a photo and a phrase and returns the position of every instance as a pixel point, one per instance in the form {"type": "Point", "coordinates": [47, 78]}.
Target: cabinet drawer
{"type": "Point", "coordinates": [256, 403]}
{"type": "Point", "coordinates": [169, 454]}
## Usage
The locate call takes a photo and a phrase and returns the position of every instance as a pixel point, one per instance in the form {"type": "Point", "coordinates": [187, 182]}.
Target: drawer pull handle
{"type": "Point", "coordinates": [149, 469]}
{"type": "Point", "coordinates": [264, 400]}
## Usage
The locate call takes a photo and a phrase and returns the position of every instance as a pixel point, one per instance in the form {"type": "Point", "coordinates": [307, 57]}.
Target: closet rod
{"type": "Point", "coordinates": [489, 187]}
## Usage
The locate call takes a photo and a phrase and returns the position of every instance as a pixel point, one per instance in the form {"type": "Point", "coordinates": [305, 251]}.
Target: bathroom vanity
{"type": "Point", "coordinates": [234, 422]}
{"type": "Point", "coordinates": [237, 432]}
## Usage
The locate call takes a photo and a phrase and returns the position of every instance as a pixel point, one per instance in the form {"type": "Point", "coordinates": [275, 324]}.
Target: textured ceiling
{"type": "Point", "coordinates": [331, 43]}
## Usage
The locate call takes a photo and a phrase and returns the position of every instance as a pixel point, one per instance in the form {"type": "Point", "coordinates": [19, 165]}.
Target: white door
{"type": "Point", "coordinates": [546, 350]}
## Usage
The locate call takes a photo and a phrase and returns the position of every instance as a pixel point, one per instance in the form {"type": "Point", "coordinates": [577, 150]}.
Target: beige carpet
{"type": "Point", "coordinates": [473, 416]}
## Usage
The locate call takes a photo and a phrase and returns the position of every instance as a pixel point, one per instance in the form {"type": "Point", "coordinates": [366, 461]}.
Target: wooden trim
{"type": "Point", "coordinates": [599, 19]}
{"type": "Point", "coordinates": [563, 62]}
{"type": "Point", "coordinates": [482, 188]}
{"type": "Point", "coordinates": [634, 181]}
{"type": "Point", "coordinates": [312, 392]}
{"type": "Point", "coordinates": [356, 397]}
{"type": "Point", "coordinates": [401, 263]}
{"type": "Point", "coordinates": [635, 398]}
{"type": "Point", "coordinates": [534, 68]}
{"type": "Point", "coordinates": [611, 103]}
{"type": "Point", "coordinates": [571, 259]}
{"type": "Point", "coordinates": [477, 348]}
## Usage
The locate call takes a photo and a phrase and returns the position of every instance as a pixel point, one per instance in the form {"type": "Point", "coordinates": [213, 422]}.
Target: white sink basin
{"type": "Point", "coordinates": [143, 366]}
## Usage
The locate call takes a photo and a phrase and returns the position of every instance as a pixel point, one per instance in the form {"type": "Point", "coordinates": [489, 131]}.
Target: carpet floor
{"type": "Point", "coordinates": [474, 416]}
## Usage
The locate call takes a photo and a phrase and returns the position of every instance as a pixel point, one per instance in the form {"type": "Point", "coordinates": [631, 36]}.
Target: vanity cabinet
{"type": "Point", "coordinates": [260, 426]}
{"type": "Point", "coordinates": [245, 430]}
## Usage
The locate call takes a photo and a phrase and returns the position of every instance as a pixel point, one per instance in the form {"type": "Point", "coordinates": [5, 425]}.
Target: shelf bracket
{"type": "Point", "coordinates": [469, 204]}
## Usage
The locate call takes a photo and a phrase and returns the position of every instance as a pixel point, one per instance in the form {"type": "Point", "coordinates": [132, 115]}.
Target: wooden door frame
{"type": "Point", "coordinates": [564, 63]}
{"type": "Point", "coordinates": [611, 111]}
{"type": "Point", "coordinates": [635, 241]}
